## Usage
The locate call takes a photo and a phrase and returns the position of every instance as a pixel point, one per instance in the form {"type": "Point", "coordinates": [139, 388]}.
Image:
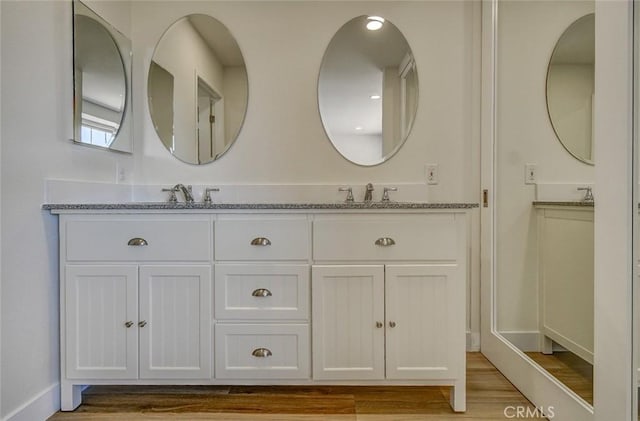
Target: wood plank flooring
{"type": "Point", "coordinates": [571, 370]}
{"type": "Point", "coordinates": [488, 394]}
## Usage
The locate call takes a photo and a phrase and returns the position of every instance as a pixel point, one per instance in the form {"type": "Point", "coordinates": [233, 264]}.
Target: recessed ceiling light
{"type": "Point", "coordinates": [374, 23]}
{"type": "Point", "coordinates": [375, 96]}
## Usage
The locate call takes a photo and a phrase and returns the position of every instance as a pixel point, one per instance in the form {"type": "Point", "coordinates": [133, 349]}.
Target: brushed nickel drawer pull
{"type": "Point", "coordinates": [137, 242]}
{"type": "Point", "coordinates": [128, 324]}
{"type": "Point", "coordinates": [261, 353]}
{"type": "Point", "coordinates": [385, 241]}
{"type": "Point", "coordinates": [260, 241]}
{"type": "Point", "coordinates": [261, 292]}
{"type": "Point", "coordinates": [142, 323]}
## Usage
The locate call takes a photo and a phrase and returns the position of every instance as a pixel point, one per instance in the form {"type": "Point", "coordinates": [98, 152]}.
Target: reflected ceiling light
{"type": "Point", "coordinates": [374, 23]}
{"type": "Point", "coordinates": [358, 127]}
{"type": "Point", "coordinates": [375, 96]}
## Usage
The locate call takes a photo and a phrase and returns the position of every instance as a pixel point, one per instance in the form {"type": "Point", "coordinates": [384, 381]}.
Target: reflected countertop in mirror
{"type": "Point", "coordinates": [197, 89]}
{"type": "Point", "coordinates": [368, 90]}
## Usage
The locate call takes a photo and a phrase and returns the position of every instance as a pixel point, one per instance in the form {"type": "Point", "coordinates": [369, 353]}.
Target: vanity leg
{"type": "Point", "coordinates": [546, 345]}
{"type": "Point", "coordinates": [458, 396]}
{"type": "Point", "coordinates": [70, 396]}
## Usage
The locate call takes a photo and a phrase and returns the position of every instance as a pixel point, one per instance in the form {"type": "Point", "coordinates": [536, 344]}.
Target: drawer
{"type": "Point", "coordinates": [267, 351]}
{"type": "Point", "coordinates": [101, 239]}
{"type": "Point", "coordinates": [385, 237]}
{"type": "Point", "coordinates": [262, 292]}
{"type": "Point", "coordinates": [268, 237]}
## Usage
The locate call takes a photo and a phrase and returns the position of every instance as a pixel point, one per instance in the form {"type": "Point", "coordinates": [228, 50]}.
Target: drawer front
{"type": "Point", "coordinates": [262, 292]}
{"type": "Point", "coordinates": [385, 237]}
{"type": "Point", "coordinates": [267, 351]}
{"type": "Point", "coordinates": [262, 238]}
{"type": "Point", "coordinates": [132, 239]}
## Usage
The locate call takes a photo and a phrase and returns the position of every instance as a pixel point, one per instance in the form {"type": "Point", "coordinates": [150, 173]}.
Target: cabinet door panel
{"type": "Point", "coordinates": [425, 323]}
{"type": "Point", "coordinates": [175, 303]}
{"type": "Point", "coordinates": [347, 302]}
{"type": "Point", "coordinates": [100, 300]}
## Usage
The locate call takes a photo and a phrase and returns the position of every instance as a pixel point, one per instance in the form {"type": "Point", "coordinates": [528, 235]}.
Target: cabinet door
{"type": "Point", "coordinates": [348, 316]}
{"type": "Point", "coordinates": [100, 322]}
{"type": "Point", "coordinates": [175, 322]}
{"type": "Point", "coordinates": [425, 321]}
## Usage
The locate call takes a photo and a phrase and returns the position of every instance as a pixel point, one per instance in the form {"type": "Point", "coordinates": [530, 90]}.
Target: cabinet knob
{"type": "Point", "coordinates": [385, 241]}
{"type": "Point", "coordinates": [142, 323]}
{"type": "Point", "coordinates": [128, 324]}
{"type": "Point", "coordinates": [379, 325]}
{"type": "Point", "coordinates": [260, 241]}
{"type": "Point", "coordinates": [261, 353]}
{"type": "Point", "coordinates": [392, 324]}
{"type": "Point", "coordinates": [137, 242]}
{"type": "Point", "coordinates": [261, 292]}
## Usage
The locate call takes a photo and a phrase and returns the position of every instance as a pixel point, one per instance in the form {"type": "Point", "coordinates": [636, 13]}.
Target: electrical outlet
{"type": "Point", "coordinates": [431, 173]}
{"type": "Point", "coordinates": [121, 174]}
{"type": "Point", "coordinates": [530, 173]}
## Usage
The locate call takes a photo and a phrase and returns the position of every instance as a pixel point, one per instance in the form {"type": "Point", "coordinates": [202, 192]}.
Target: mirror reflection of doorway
{"type": "Point", "coordinates": [210, 124]}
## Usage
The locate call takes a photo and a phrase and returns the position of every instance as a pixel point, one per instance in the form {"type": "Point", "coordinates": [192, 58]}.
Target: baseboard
{"type": "Point", "coordinates": [40, 407]}
{"type": "Point", "coordinates": [526, 341]}
{"type": "Point", "coordinates": [473, 341]}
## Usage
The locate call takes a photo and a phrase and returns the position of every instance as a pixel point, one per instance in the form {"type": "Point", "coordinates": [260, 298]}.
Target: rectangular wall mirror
{"type": "Point", "coordinates": [102, 82]}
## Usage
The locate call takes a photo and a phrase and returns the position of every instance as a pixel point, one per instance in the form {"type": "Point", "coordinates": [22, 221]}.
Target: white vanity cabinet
{"type": "Point", "coordinates": [388, 298]}
{"type": "Point", "coordinates": [130, 309]}
{"type": "Point", "coordinates": [285, 295]}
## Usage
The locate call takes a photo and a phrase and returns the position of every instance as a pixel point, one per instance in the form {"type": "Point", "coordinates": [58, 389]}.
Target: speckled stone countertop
{"type": "Point", "coordinates": [579, 203]}
{"type": "Point", "coordinates": [250, 206]}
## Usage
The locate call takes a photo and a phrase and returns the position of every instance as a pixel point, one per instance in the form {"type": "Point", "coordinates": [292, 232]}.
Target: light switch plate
{"type": "Point", "coordinates": [530, 173]}
{"type": "Point", "coordinates": [431, 173]}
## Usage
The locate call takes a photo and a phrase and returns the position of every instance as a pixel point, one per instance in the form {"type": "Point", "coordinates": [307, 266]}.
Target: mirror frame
{"type": "Point", "coordinates": [123, 45]}
{"type": "Point", "coordinates": [535, 383]}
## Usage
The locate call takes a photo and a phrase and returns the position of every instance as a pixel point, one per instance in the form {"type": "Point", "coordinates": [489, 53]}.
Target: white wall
{"type": "Point", "coordinates": [35, 128]}
{"type": "Point", "coordinates": [282, 140]}
{"type": "Point", "coordinates": [527, 34]}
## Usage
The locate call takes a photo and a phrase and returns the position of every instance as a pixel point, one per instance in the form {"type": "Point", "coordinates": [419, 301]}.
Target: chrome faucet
{"type": "Point", "coordinates": [588, 193]}
{"type": "Point", "coordinates": [367, 195]}
{"type": "Point", "coordinates": [186, 191]}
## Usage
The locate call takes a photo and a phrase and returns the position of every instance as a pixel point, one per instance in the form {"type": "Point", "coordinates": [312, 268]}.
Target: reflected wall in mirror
{"type": "Point", "coordinates": [570, 88]}
{"type": "Point", "coordinates": [368, 90]}
{"type": "Point", "coordinates": [544, 247]}
{"type": "Point", "coordinates": [197, 89]}
{"type": "Point", "coordinates": [102, 75]}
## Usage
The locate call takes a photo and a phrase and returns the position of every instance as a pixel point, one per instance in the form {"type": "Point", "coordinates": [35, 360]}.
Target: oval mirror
{"type": "Point", "coordinates": [570, 88]}
{"type": "Point", "coordinates": [102, 63]}
{"type": "Point", "coordinates": [368, 90]}
{"type": "Point", "coordinates": [197, 89]}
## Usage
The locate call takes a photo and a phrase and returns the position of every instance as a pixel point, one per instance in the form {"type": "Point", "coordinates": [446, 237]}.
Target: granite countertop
{"type": "Point", "coordinates": [564, 203]}
{"type": "Point", "coordinates": [249, 206]}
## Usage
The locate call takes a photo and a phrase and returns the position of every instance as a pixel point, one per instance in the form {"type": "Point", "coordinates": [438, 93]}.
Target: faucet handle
{"type": "Point", "coordinates": [172, 195]}
{"type": "Point", "coordinates": [349, 191]}
{"type": "Point", "coordinates": [207, 194]}
{"type": "Point", "coordinates": [588, 195]}
{"type": "Point", "coordinates": [385, 193]}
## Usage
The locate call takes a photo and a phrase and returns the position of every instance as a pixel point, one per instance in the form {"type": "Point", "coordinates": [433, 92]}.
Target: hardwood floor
{"type": "Point", "coordinates": [573, 371]}
{"type": "Point", "coordinates": [488, 394]}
